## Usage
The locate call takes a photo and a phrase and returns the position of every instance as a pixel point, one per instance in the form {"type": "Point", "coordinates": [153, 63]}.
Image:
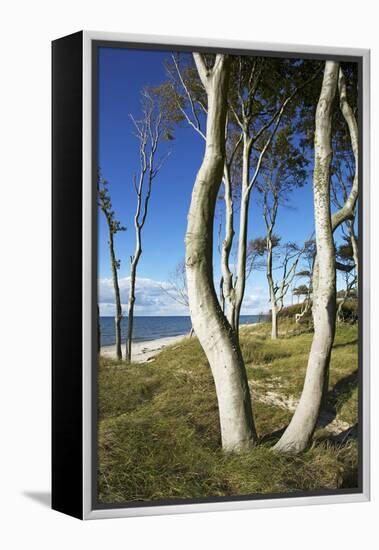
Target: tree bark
{"type": "Point", "coordinates": [274, 309]}
{"type": "Point", "coordinates": [132, 289]}
{"type": "Point", "coordinates": [354, 245]}
{"type": "Point", "coordinates": [269, 277]}
{"type": "Point", "coordinates": [347, 212]}
{"type": "Point", "coordinates": [300, 430]}
{"type": "Point", "coordinates": [242, 241]}
{"type": "Point", "coordinates": [274, 323]}
{"type": "Point", "coordinates": [215, 334]}
{"type": "Point", "coordinates": [227, 288]}
{"type": "Point", "coordinates": [118, 315]}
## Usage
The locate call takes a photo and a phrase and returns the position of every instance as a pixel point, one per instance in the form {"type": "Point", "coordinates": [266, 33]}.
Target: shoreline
{"type": "Point", "coordinates": [145, 351]}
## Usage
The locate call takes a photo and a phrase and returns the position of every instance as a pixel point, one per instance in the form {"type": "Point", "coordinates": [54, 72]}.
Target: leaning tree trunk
{"type": "Point", "coordinates": [132, 299]}
{"type": "Point", "coordinates": [132, 283]}
{"type": "Point", "coordinates": [242, 241]}
{"type": "Point", "coordinates": [274, 323]}
{"type": "Point", "coordinates": [274, 308]}
{"type": "Point", "coordinates": [300, 430]}
{"type": "Point", "coordinates": [118, 315]}
{"type": "Point", "coordinates": [210, 324]}
{"type": "Point", "coordinates": [226, 287]}
{"type": "Point", "coordinates": [347, 212]}
{"type": "Point", "coordinates": [354, 245]}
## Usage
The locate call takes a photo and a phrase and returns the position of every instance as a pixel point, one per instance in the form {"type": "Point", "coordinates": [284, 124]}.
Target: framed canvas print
{"type": "Point", "coordinates": [210, 275]}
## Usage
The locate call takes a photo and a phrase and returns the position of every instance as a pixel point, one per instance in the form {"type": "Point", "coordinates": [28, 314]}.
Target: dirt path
{"type": "Point", "coordinates": [265, 394]}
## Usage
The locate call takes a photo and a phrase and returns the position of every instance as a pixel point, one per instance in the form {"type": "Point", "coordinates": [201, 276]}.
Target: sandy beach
{"type": "Point", "coordinates": [143, 352]}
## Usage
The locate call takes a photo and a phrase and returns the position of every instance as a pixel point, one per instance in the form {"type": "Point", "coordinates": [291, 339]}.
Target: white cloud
{"type": "Point", "coordinates": [255, 301]}
{"type": "Point", "coordinates": [152, 297]}
{"type": "Point", "coordinates": [157, 298]}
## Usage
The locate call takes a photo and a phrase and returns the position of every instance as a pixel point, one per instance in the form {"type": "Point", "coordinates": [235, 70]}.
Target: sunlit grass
{"type": "Point", "coordinates": [159, 430]}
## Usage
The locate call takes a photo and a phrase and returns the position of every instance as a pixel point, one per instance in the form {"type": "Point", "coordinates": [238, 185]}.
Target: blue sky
{"type": "Point", "coordinates": [122, 74]}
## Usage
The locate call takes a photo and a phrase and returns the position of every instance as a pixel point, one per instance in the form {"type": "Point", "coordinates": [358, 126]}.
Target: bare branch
{"type": "Point", "coordinates": [347, 211]}
{"type": "Point", "coordinates": [201, 68]}
{"type": "Point", "coordinates": [196, 125]}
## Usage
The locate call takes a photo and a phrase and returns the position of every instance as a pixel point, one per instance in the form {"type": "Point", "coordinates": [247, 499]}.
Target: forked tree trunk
{"type": "Point", "coordinates": [300, 430]}
{"type": "Point", "coordinates": [210, 324]}
{"type": "Point", "coordinates": [149, 131]}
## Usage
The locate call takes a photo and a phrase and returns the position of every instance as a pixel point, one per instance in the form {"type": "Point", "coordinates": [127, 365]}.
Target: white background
{"type": "Point", "coordinates": [27, 29]}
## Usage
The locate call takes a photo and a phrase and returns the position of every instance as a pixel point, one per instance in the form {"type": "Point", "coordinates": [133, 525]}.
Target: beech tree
{"type": "Point", "coordinates": [218, 340]}
{"type": "Point", "coordinates": [340, 185]}
{"type": "Point", "coordinates": [114, 227]}
{"type": "Point", "coordinates": [177, 287]}
{"type": "Point", "coordinates": [261, 100]}
{"type": "Point", "coordinates": [283, 170]}
{"type": "Point", "coordinates": [280, 263]}
{"type": "Point", "coordinates": [278, 289]}
{"type": "Point", "coordinates": [346, 265]}
{"type": "Point", "coordinates": [301, 290]}
{"type": "Point", "coordinates": [297, 435]}
{"type": "Point", "coordinates": [259, 95]}
{"type": "Point", "coordinates": [348, 211]}
{"type": "Point", "coordinates": [308, 260]}
{"type": "Point", "coordinates": [299, 432]}
{"type": "Point", "coordinates": [153, 128]}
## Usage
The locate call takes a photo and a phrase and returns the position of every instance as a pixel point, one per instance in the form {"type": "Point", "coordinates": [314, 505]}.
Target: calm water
{"type": "Point", "coordinates": [151, 328]}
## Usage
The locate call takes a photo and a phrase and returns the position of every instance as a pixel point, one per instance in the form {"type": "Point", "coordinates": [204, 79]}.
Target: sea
{"type": "Point", "coordinates": [153, 328]}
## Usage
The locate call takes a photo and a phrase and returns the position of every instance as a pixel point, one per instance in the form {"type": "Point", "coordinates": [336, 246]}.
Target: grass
{"type": "Point", "coordinates": [159, 432]}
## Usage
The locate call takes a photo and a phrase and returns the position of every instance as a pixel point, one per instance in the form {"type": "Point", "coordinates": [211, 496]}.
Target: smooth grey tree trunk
{"type": "Point", "coordinates": [118, 315]}
{"type": "Point", "coordinates": [234, 294]}
{"type": "Point", "coordinates": [213, 330]}
{"type": "Point", "coordinates": [274, 308]}
{"type": "Point", "coordinates": [227, 287]}
{"type": "Point", "coordinates": [132, 292]}
{"type": "Point", "coordinates": [242, 241]}
{"type": "Point", "coordinates": [274, 323]}
{"type": "Point", "coordinates": [300, 430]}
{"type": "Point", "coordinates": [270, 280]}
{"type": "Point", "coordinates": [347, 212]}
{"type": "Point", "coordinates": [354, 245]}
{"type": "Point", "coordinates": [132, 299]}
